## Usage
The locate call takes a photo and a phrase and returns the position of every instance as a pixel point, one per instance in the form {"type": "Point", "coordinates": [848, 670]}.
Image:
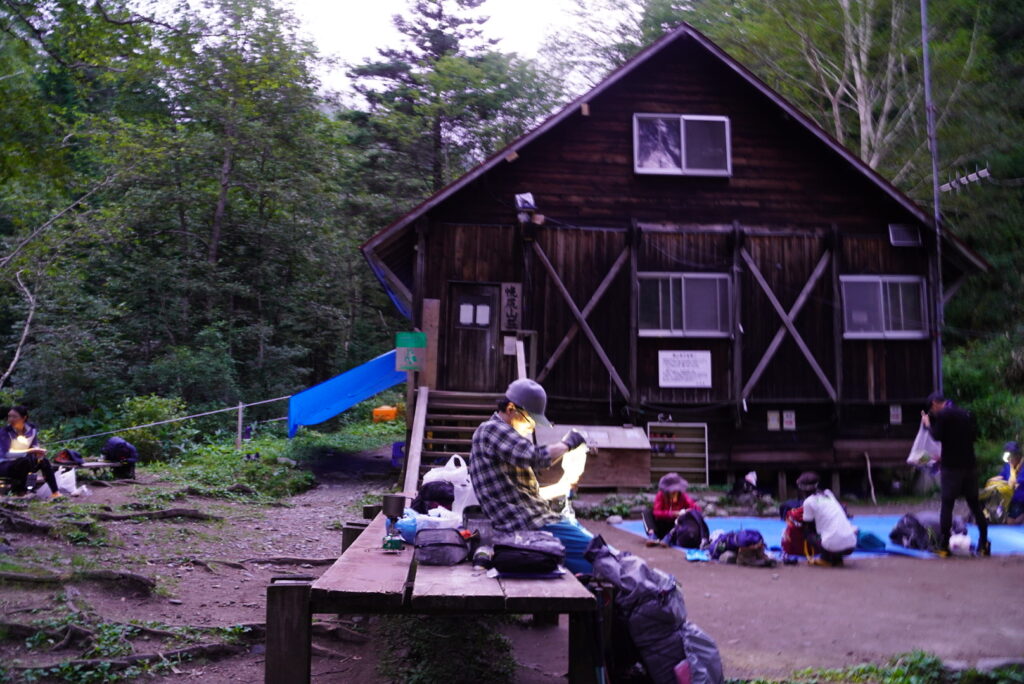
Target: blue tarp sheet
{"type": "Point", "coordinates": [1006, 539]}
{"type": "Point", "coordinates": [330, 398]}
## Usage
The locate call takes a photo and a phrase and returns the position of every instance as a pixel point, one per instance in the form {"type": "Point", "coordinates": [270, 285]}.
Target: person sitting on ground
{"type": "Point", "coordinates": [669, 502]}
{"type": "Point", "coordinates": [502, 464]}
{"type": "Point", "coordinates": [119, 450]}
{"type": "Point", "coordinates": [826, 527]}
{"type": "Point", "coordinates": [21, 457]}
{"type": "Point", "coordinates": [1003, 496]}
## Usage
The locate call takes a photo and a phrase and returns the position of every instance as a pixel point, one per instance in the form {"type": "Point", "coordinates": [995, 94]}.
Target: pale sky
{"type": "Point", "coordinates": [354, 29]}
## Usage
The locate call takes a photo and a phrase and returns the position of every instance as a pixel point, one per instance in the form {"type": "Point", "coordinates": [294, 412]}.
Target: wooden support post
{"type": "Point", "coordinates": [837, 321]}
{"type": "Point", "coordinates": [414, 447]}
{"type": "Point", "coordinates": [635, 236]}
{"type": "Point", "coordinates": [835, 482]}
{"type": "Point", "coordinates": [782, 485]}
{"type": "Point", "coordinates": [431, 325]}
{"type": "Point", "coordinates": [583, 662]}
{"type": "Point", "coordinates": [288, 632]}
{"type": "Point", "coordinates": [238, 433]}
{"type": "Point", "coordinates": [737, 328]}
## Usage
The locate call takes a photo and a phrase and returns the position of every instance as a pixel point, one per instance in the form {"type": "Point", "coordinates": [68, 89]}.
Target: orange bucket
{"type": "Point", "coordinates": [383, 414]}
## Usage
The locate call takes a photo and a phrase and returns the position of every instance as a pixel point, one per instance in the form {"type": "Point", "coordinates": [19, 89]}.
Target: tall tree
{"type": "Point", "coordinates": [445, 99]}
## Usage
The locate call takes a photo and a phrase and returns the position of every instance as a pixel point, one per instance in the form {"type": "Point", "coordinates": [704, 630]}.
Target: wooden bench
{"type": "Point", "coordinates": [97, 465]}
{"type": "Point", "coordinates": [366, 580]}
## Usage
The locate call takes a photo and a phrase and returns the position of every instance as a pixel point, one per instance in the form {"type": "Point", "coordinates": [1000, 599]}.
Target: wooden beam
{"type": "Point", "coordinates": [837, 319]}
{"type": "Point", "coordinates": [520, 360]}
{"type": "Point", "coordinates": [394, 281]}
{"type": "Point", "coordinates": [581, 320]}
{"type": "Point", "coordinates": [431, 326]}
{"type": "Point", "coordinates": [737, 332]}
{"type": "Point", "coordinates": [950, 290]}
{"type": "Point", "coordinates": [780, 334]}
{"type": "Point", "coordinates": [594, 300]}
{"type": "Point", "coordinates": [288, 632]}
{"type": "Point", "coordinates": [415, 447]}
{"type": "Point", "coordinates": [634, 236]}
{"type": "Point", "coordinates": [785, 319]}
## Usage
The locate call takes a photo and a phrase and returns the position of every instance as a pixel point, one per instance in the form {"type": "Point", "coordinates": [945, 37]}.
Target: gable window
{"type": "Point", "coordinates": [682, 145]}
{"type": "Point", "coordinates": [684, 305]}
{"type": "Point", "coordinates": [887, 307]}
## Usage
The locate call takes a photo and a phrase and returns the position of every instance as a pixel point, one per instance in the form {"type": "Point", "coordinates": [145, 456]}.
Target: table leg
{"type": "Point", "coordinates": [583, 645]}
{"type": "Point", "coordinates": [288, 633]}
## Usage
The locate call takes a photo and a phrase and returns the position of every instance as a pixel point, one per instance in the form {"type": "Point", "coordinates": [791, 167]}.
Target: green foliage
{"type": "Point", "coordinates": [916, 667]}
{"type": "Point", "coordinates": [614, 504]}
{"type": "Point", "coordinates": [424, 650]}
{"type": "Point", "coordinates": [158, 442]}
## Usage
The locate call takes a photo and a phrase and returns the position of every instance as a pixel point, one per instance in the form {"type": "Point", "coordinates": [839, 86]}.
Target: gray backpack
{"type": "Point", "coordinates": [440, 547]}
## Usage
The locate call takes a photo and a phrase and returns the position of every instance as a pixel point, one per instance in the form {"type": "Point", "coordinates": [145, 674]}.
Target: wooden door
{"type": "Point", "coordinates": [471, 351]}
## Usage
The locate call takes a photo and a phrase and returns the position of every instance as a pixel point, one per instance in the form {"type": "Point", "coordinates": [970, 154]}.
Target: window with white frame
{"type": "Point", "coordinates": [684, 305]}
{"type": "Point", "coordinates": [682, 145]}
{"type": "Point", "coordinates": [890, 307]}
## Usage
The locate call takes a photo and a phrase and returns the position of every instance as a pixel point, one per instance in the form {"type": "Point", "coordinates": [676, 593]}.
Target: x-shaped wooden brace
{"type": "Point", "coordinates": [581, 317]}
{"type": "Point", "coordinates": [787, 323]}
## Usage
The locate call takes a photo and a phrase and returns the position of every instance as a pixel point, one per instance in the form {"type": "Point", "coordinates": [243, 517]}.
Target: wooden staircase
{"type": "Point", "coordinates": [451, 419]}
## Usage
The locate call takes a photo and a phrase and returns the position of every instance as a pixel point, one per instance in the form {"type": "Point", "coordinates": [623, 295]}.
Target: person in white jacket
{"type": "Point", "coordinates": [828, 527]}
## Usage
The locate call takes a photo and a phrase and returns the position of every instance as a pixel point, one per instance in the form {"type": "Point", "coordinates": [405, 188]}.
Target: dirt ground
{"type": "Point", "coordinates": [767, 622]}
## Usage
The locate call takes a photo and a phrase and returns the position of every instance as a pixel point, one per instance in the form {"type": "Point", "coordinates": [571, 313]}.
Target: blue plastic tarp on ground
{"type": "Point", "coordinates": [330, 398]}
{"type": "Point", "coordinates": [1006, 539]}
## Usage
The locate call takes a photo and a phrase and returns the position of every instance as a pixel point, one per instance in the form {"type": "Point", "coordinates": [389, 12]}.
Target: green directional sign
{"type": "Point", "coordinates": [412, 350]}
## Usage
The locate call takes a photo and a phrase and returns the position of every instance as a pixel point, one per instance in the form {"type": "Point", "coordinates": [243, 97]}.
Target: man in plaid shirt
{"type": "Point", "coordinates": [502, 466]}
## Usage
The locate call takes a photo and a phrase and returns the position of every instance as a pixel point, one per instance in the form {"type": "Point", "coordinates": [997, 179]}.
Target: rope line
{"type": "Point", "coordinates": [174, 420]}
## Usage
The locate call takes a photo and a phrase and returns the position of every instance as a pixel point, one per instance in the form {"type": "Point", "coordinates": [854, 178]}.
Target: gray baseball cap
{"type": "Point", "coordinates": [530, 396]}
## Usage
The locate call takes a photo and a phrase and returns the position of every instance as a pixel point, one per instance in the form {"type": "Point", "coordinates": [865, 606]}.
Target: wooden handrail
{"type": "Point", "coordinates": [412, 463]}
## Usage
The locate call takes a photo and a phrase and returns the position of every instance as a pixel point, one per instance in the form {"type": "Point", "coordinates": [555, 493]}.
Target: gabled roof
{"type": "Point", "coordinates": [684, 31]}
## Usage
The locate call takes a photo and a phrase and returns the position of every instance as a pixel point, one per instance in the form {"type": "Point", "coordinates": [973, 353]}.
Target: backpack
{"type": "Point", "coordinates": [690, 531]}
{"type": "Point", "coordinates": [528, 551]}
{"type": "Point", "coordinates": [440, 546]}
{"type": "Point", "coordinates": [793, 536]}
{"type": "Point", "coordinates": [68, 457]}
{"type": "Point", "coordinates": [909, 532]}
{"type": "Point", "coordinates": [734, 541]}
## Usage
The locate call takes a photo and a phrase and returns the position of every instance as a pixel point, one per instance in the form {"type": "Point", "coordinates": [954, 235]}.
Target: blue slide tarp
{"type": "Point", "coordinates": [330, 398]}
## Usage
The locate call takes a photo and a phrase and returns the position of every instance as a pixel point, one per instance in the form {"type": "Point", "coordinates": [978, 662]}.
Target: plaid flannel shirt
{"type": "Point", "coordinates": [501, 467]}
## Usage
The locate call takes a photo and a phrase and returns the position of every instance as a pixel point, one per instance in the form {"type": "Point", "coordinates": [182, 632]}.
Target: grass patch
{"type": "Point", "coordinates": [916, 667]}
{"type": "Point", "coordinates": [613, 504]}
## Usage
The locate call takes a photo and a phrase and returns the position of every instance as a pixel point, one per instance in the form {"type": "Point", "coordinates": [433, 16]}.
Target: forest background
{"type": "Point", "coordinates": [181, 204]}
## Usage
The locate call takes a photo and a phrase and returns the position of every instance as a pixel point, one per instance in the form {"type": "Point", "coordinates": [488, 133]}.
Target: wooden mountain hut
{"type": "Point", "coordinates": [683, 250]}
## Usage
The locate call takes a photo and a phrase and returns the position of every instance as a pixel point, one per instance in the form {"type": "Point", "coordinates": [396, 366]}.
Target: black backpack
{"type": "Point", "coordinates": [68, 457]}
{"type": "Point", "coordinates": [529, 551]}
{"type": "Point", "coordinates": [690, 531]}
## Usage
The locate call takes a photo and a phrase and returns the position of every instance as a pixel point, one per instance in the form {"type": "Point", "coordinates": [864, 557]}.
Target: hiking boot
{"type": "Point", "coordinates": [819, 562]}
{"type": "Point", "coordinates": [943, 553]}
{"type": "Point", "coordinates": [985, 550]}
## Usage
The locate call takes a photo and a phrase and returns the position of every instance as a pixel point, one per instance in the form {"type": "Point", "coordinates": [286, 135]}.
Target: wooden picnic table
{"type": "Point", "coordinates": [366, 580]}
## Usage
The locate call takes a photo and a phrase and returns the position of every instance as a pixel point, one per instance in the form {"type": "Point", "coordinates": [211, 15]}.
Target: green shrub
{"type": "Point", "coordinates": [161, 441]}
{"type": "Point", "coordinates": [426, 650]}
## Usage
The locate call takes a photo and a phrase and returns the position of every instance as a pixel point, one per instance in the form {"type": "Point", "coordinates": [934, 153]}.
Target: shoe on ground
{"type": "Point", "coordinates": [56, 496]}
{"type": "Point", "coordinates": [652, 543]}
{"type": "Point", "coordinates": [819, 562]}
{"type": "Point", "coordinates": [985, 550]}
{"type": "Point", "coordinates": [943, 553]}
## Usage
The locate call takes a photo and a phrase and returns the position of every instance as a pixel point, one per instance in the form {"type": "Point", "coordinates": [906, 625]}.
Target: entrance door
{"type": "Point", "coordinates": [471, 355]}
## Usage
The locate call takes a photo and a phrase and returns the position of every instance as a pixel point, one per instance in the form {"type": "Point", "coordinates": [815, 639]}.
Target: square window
{"type": "Point", "coordinates": [707, 144]}
{"type": "Point", "coordinates": [883, 307]}
{"type": "Point", "coordinates": [682, 145]}
{"type": "Point", "coordinates": [658, 145]}
{"type": "Point", "coordinates": [465, 314]}
{"type": "Point", "coordinates": [684, 304]}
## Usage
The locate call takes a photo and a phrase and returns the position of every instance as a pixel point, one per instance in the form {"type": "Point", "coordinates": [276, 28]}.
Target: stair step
{"type": "Point", "coordinates": [476, 418]}
{"type": "Point", "coordinates": [447, 440]}
{"type": "Point", "coordinates": [450, 428]}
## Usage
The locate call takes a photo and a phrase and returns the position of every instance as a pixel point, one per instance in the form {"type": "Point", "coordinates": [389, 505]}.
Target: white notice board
{"type": "Point", "coordinates": [684, 368]}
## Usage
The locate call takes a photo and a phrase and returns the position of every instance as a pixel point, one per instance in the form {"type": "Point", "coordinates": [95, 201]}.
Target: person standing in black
{"type": "Point", "coordinates": [955, 429]}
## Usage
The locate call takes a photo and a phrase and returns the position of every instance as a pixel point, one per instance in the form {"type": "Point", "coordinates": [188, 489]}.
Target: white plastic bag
{"type": "Point", "coordinates": [925, 451]}
{"type": "Point", "coordinates": [455, 471]}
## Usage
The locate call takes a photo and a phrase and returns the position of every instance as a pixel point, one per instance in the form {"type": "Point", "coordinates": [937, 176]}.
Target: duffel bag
{"type": "Point", "coordinates": [441, 546]}
{"type": "Point", "coordinates": [529, 551]}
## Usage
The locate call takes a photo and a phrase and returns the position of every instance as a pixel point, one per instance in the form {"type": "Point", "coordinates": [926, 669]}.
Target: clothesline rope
{"type": "Point", "coordinates": [174, 420]}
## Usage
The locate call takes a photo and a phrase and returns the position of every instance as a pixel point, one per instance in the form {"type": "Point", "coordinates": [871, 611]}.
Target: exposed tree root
{"type": "Point", "coordinates": [208, 651]}
{"type": "Point", "coordinates": [63, 637]}
{"type": "Point", "coordinates": [130, 579]}
{"type": "Point", "coordinates": [158, 515]}
{"type": "Point", "coordinates": [288, 560]}
{"type": "Point", "coordinates": [23, 523]}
